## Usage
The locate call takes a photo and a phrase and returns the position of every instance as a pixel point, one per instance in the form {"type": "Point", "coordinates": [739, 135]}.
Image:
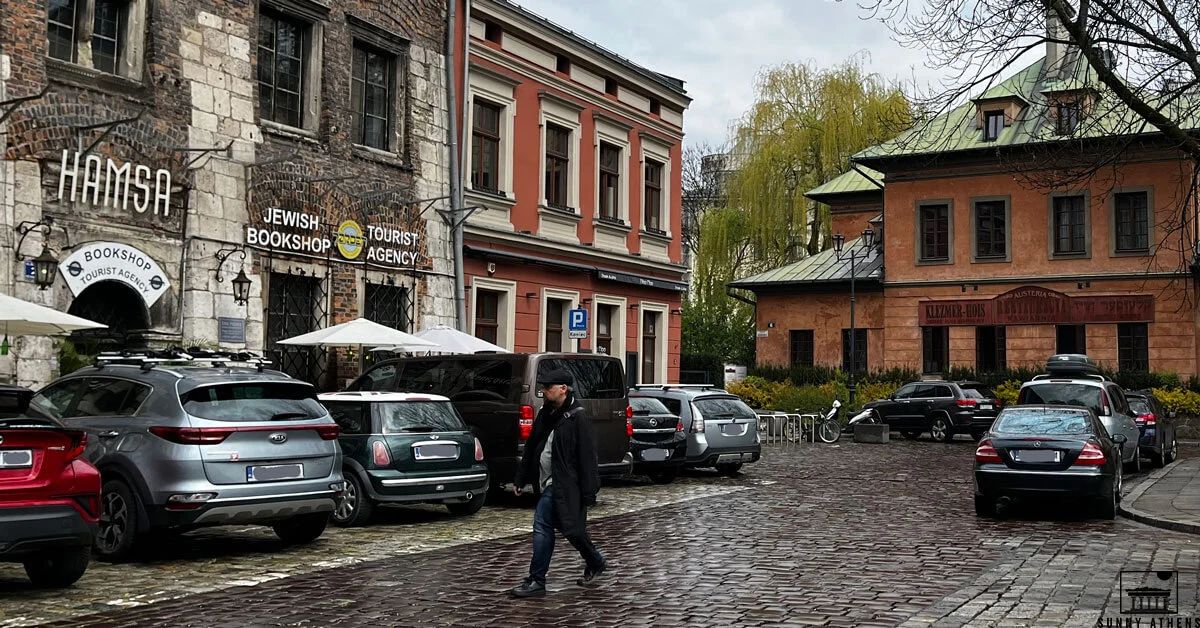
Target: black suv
{"type": "Point", "coordinates": [1156, 427]}
{"type": "Point", "coordinates": [941, 408]}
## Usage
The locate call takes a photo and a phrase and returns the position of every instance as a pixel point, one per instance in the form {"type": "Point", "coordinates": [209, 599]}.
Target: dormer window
{"type": "Point", "coordinates": [993, 125]}
{"type": "Point", "coordinates": [1068, 117]}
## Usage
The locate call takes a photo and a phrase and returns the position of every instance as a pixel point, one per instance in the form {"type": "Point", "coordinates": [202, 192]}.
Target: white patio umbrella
{"type": "Point", "coordinates": [19, 317]}
{"type": "Point", "coordinates": [450, 340]}
{"type": "Point", "coordinates": [361, 331]}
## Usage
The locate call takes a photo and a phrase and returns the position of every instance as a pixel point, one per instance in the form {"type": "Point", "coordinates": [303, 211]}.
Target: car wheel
{"type": "Point", "coordinates": [730, 469]}
{"type": "Point", "coordinates": [1106, 507]}
{"type": "Point", "coordinates": [1170, 454]}
{"type": "Point", "coordinates": [463, 509]}
{"type": "Point", "coordinates": [302, 528]}
{"type": "Point", "coordinates": [663, 476]}
{"type": "Point", "coordinates": [985, 507]}
{"type": "Point", "coordinates": [911, 434]}
{"type": "Point", "coordinates": [117, 534]}
{"type": "Point", "coordinates": [940, 430]}
{"type": "Point", "coordinates": [356, 506]}
{"type": "Point", "coordinates": [58, 569]}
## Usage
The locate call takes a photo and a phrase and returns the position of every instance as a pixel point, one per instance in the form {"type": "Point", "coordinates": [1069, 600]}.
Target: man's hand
{"type": "Point", "coordinates": [516, 490]}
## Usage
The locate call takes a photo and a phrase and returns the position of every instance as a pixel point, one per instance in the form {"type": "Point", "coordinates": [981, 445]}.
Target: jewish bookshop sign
{"type": "Point", "coordinates": [348, 239]}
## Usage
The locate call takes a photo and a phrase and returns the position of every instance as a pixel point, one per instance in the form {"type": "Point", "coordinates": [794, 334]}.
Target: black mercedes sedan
{"type": "Point", "coordinates": [1048, 451]}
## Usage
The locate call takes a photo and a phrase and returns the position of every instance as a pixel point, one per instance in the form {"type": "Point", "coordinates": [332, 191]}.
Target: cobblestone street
{"type": "Point", "coordinates": [846, 535]}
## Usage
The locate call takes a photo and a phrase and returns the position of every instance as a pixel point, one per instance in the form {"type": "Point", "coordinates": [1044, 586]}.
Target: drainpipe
{"type": "Point", "coordinates": [456, 202]}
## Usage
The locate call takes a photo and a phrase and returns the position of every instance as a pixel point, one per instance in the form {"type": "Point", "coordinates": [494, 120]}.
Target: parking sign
{"type": "Point", "coordinates": [577, 321]}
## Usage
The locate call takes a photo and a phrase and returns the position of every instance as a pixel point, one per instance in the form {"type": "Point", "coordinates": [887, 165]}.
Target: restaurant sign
{"type": "Point", "coordinates": [1032, 305]}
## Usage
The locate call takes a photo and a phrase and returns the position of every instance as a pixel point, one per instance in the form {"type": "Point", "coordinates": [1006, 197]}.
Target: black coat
{"type": "Point", "coordinates": [573, 462]}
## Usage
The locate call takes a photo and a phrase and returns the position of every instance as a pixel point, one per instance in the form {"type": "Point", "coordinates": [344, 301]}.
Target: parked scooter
{"type": "Point", "coordinates": [867, 416]}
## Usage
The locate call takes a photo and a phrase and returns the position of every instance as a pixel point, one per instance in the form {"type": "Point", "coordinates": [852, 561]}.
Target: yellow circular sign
{"type": "Point", "coordinates": [350, 239]}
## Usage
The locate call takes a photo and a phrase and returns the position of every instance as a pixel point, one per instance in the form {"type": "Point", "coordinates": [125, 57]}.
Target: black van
{"type": "Point", "coordinates": [497, 395]}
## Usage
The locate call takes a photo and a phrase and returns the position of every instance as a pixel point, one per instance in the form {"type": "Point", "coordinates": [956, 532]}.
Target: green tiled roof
{"type": "Point", "coordinates": [957, 130]}
{"type": "Point", "coordinates": [822, 267]}
{"type": "Point", "coordinates": [848, 182]}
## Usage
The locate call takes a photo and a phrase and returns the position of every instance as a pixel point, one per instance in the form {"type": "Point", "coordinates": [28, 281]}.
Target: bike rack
{"type": "Point", "coordinates": [788, 430]}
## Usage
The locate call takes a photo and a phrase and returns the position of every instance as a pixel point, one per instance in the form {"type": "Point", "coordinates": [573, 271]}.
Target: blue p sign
{"type": "Point", "coordinates": [577, 320]}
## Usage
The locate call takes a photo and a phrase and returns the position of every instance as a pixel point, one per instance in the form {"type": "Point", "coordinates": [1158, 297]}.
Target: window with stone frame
{"type": "Point", "coordinates": [487, 315]}
{"type": "Point", "coordinates": [991, 230]}
{"type": "Point", "coordinates": [282, 51]}
{"type": "Point", "coordinates": [1070, 225]}
{"type": "Point", "coordinates": [653, 196]}
{"type": "Point", "coordinates": [1132, 221]}
{"type": "Point", "coordinates": [106, 35]}
{"type": "Point", "coordinates": [649, 347]}
{"type": "Point", "coordinates": [558, 165]}
{"type": "Point", "coordinates": [935, 232]}
{"type": "Point", "coordinates": [604, 328]}
{"type": "Point", "coordinates": [485, 146]}
{"type": "Point", "coordinates": [555, 311]}
{"type": "Point", "coordinates": [372, 96]}
{"type": "Point", "coordinates": [610, 182]}
{"type": "Point", "coordinates": [1133, 347]}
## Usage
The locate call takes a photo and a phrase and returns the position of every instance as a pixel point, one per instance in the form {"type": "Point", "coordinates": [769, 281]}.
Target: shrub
{"type": "Point", "coordinates": [874, 390]}
{"type": "Point", "coordinates": [758, 392]}
{"type": "Point", "coordinates": [1179, 400]}
{"type": "Point", "coordinates": [1007, 392]}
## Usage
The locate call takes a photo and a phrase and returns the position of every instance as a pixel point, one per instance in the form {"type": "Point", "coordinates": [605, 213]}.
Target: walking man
{"type": "Point", "coordinates": [560, 457]}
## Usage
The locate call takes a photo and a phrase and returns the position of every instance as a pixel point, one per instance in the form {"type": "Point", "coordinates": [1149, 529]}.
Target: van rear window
{"type": "Point", "coordinates": [1064, 393]}
{"type": "Point", "coordinates": [594, 378]}
{"type": "Point", "coordinates": [460, 380]}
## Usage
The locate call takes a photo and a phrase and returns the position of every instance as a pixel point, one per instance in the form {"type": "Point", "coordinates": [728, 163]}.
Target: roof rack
{"type": "Point", "coordinates": [147, 359]}
{"type": "Point", "coordinates": [676, 386]}
{"type": "Point", "coordinates": [1072, 375]}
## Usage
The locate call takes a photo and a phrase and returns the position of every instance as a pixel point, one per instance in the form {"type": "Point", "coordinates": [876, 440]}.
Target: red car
{"type": "Point", "coordinates": [49, 495]}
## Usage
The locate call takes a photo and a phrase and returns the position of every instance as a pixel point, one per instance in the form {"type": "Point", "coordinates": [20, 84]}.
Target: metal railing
{"type": "Point", "coordinates": [788, 429]}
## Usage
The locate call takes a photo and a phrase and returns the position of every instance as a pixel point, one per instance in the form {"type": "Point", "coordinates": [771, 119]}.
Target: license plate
{"type": "Point", "coordinates": [274, 472]}
{"type": "Point", "coordinates": [448, 451]}
{"type": "Point", "coordinates": [723, 458]}
{"type": "Point", "coordinates": [16, 459]}
{"type": "Point", "coordinates": [985, 406]}
{"type": "Point", "coordinates": [1037, 455]}
{"type": "Point", "coordinates": [733, 429]}
{"type": "Point", "coordinates": [655, 455]}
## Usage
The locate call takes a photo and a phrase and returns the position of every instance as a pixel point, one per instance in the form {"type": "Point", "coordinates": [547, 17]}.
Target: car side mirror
{"type": "Point", "coordinates": [1119, 439]}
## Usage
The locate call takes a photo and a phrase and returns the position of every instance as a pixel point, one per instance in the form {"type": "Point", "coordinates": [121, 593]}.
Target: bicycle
{"type": "Point", "coordinates": [824, 426]}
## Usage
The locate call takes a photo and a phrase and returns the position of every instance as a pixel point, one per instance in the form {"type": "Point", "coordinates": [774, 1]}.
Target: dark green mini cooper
{"type": "Point", "coordinates": [402, 448]}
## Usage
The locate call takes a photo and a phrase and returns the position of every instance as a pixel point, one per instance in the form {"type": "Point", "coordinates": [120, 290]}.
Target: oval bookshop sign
{"type": "Point", "coordinates": [113, 261]}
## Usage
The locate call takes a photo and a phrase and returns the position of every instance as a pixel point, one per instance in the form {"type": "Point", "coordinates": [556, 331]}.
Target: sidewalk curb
{"type": "Point", "coordinates": [1142, 517]}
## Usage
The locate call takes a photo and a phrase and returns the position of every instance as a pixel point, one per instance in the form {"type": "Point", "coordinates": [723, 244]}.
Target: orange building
{"type": "Point", "coordinates": [976, 266]}
{"type": "Point", "coordinates": [572, 157]}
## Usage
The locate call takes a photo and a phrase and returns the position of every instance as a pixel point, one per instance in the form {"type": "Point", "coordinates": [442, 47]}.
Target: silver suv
{"type": "Point", "coordinates": [185, 446]}
{"type": "Point", "coordinates": [722, 430]}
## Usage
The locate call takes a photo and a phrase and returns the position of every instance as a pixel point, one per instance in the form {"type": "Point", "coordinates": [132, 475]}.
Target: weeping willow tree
{"type": "Point", "coordinates": [805, 124]}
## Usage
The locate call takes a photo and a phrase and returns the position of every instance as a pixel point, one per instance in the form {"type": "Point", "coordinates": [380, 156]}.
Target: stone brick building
{"type": "Point", "coordinates": [573, 166]}
{"type": "Point", "coordinates": [978, 266]}
{"type": "Point", "coordinates": [173, 145]}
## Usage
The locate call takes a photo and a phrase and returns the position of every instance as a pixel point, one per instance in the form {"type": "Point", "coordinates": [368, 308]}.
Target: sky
{"type": "Point", "coordinates": [717, 47]}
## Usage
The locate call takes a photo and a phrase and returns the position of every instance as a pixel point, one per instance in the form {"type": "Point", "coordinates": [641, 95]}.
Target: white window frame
{"type": "Point", "coordinates": [499, 90]}
{"type": "Point", "coordinates": [563, 113]}
{"type": "Point", "coordinates": [618, 324]}
{"type": "Point", "coordinates": [507, 310]}
{"type": "Point", "coordinates": [663, 337]}
{"type": "Point", "coordinates": [572, 298]}
{"type": "Point", "coordinates": [618, 136]}
{"type": "Point", "coordinates": [655, 150]}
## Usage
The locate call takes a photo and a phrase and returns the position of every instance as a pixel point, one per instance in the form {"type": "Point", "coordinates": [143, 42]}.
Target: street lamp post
{"type": "Point", "coordinates": [867, 243]}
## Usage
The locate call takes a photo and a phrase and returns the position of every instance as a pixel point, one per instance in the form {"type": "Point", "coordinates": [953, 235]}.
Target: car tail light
{"type": "Point", "coordinates": [697, 422]}
{"type": "Point", "coordinates": [999, 402]}
{"type": "Point", "coordinates": [1104, 403]}
{"type": "Point", "coordinates": [526, 422]}
{"type": "Point", "coordinates": [478, 451]}
{"type": "Point", "coordinates": [679, 426]}
{"type": "Point", "coordinates": [628, 412]}
{"type": "Point", "coordinates": [328, 432]}
{"type": "Point", "coordinates": [629, 427]}
{"type": "Point", "coordinates": [1091, 455]}
{"type": "Point", "coordinates": [380, 452]}
{"type": "Point", "coordinates": [78, 443]}
{"type": "Point", "coordinates": [1149, 418]}
{"type": "Point", "coordinates": [192, 435]}
{"type": "Point", "coordinates": [966, 403]}
{"type": "Point", "coordinates": [986, 453]}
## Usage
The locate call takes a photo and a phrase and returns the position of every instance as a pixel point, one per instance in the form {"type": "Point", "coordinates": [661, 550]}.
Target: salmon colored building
{"type": "Point", "coordinates": [975, 266]}
{"type": "Point", "coordinates": [572, 161]}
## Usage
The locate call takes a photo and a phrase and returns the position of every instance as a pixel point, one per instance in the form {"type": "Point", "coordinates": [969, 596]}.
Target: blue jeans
{"type": "Point", "coordinates": [545, 522]}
